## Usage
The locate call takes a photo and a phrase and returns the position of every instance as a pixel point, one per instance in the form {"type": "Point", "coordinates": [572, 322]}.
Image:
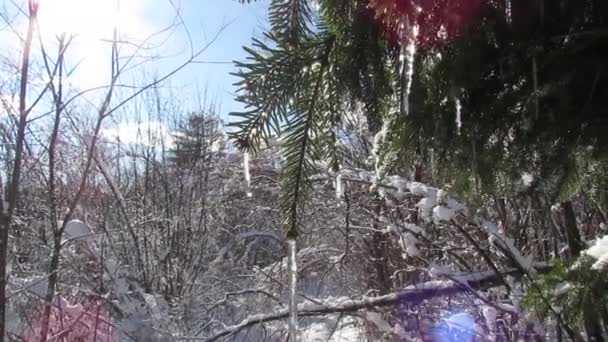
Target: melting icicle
{"type": "Point", "coordinates": [293, 282]}
{"type": "Point", "coordinates": [409, 34]}
{"type": "Point", "coordinates": [247, 174]}
{"type": "Point", "coordinates": [458, 106]}
{"type": "Point", "coordinates": [339, 186]}
{"type": "Point", "coordinates": [406, 57]}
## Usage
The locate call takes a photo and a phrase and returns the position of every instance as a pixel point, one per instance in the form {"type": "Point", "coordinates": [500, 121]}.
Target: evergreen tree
{"type": "Point", "coordinates": [495, 88]}
{"type": "Point", "coordinates": [193, 141]}
{"type": "Point", "coordinates": [482, 92]}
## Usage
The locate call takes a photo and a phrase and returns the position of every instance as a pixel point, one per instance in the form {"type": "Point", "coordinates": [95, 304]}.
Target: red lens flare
{"type": "Point", "coordinates": [437, 21]}
{"type": "Point", "coordinates": [84, 320]}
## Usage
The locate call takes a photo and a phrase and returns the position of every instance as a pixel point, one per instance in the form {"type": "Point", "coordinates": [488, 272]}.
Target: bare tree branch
{"type": "Point", "coordinates": [412, 293]}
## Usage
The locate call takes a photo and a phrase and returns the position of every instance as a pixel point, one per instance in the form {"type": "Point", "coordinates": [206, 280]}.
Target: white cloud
{"type": "Point", "coordinates": [153, 133]}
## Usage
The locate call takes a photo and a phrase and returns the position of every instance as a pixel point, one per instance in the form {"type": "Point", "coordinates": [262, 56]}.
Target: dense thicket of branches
{"type": "Point", "coordinates": [524, 79]}
{"type": "Point", "coordinates": [369, 124]}
{"type": "Point", "coordinates": [501, 102]}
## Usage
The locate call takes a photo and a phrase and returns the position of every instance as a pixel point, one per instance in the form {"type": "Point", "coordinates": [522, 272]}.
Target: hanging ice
{"type": "Point", "coordinates": [293, 282]}
{"type": "Point", "coordinates": [339, 187]}
{"type": "Point", "coordinates": [458, 106]}
{"type": "Point", "coordinates": [409, 33]}
{"type": "Point", "coordinates": [407, 56]}
{"type": "Point", "coordinates": [247, 174]}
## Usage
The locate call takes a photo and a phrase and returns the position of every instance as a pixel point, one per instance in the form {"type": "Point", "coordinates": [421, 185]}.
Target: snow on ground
{"type": "Point", "coordinates": [347, 330]}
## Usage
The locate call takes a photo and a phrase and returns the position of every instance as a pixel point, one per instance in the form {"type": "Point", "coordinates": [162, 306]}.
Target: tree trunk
{"type": "Point", "coordinates": [573, 236]}
{"type": "Point", "coordinates": [7, 208]}
{"type": "Point", "coordinates": [590, 317]}
{"type": "Point", "coordinates": [50, 292]}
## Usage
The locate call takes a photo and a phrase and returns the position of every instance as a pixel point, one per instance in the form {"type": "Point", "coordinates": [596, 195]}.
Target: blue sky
{"type": "Point", "coordinates": [204, 18]}
{"type": "Point", "coordinates": [92, 21]}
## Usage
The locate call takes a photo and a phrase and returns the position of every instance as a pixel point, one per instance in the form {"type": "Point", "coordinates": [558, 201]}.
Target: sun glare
{"type": "Point", "coordinates": [91, 19]}
{"type": "Point", "coordinates": [90, 24]}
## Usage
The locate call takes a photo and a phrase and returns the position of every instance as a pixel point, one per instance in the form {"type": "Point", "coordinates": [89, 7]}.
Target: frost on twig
{"type": "Point", "coordinates": [437, 207]}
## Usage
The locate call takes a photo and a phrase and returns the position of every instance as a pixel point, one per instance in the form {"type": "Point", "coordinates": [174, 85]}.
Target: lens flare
{"type": "Point", "coordinates": [457, 327]}
{"type": "Point", "coordinates": [84, 320]}
{"type": "Point", "coordinates": [438, 21]}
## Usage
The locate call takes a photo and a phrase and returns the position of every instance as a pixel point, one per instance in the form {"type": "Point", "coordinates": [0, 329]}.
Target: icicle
{"type": "Point", "coordinates": [406, 57]}
{"type": "Point", "coordinates": [293, 282]}
{"type": "Point", "coordinates": [458, 106]}
{"type": "Point", "coordinates": [409, 34]}
{"type": "Point", "coordinates": [339, 186]}
{"type": "Point", "coordinates": [247, 174]}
